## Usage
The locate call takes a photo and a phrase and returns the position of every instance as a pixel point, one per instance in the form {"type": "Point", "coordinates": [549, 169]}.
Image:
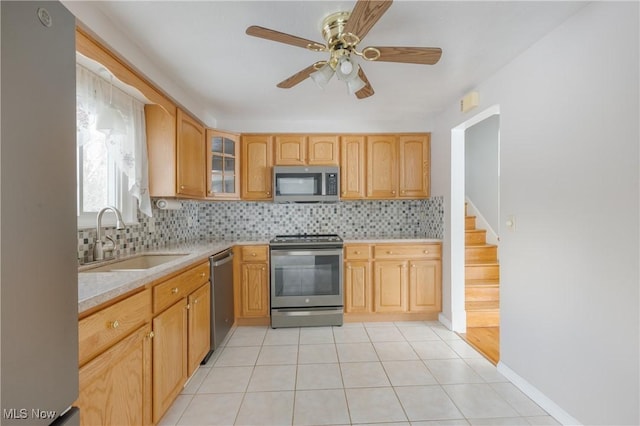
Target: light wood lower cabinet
{"type": "Point", "coordinates": [393, 278]}
{"type": "Point", "coordinates": [181, 333]}
{"type": "Point", "coordinates": [115, 387]}
{"type": "Point", "coordinates": [199, 326]}
{"type": "Point", "coordinates": [169, 356]}
{"type": "Point", "coordinates": [251, 282]}
{"type": "Point", "coordinates": [115, 363]}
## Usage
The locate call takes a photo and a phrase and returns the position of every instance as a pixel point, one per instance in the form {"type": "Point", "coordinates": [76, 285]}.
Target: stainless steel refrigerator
{"type": "Point", "coordinates": [38, 287]}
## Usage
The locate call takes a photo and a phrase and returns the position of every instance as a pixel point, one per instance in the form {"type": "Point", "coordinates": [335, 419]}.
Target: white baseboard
{"type": "Point", "coordinates": [445, 321]}
{"type": "Point", "coordinates": [537, 396]}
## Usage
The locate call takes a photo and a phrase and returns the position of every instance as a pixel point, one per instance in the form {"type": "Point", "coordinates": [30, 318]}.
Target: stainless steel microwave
{"type": "Point", "coordinates": [306, 184]}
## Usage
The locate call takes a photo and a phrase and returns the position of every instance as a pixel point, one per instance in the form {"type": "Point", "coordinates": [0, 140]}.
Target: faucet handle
{"type": "Point", "coordinates": [109, 247]}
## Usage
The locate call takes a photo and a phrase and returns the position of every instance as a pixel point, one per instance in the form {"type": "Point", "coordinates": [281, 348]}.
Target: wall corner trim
{"type": "Point", "coordinates": [537, 396]}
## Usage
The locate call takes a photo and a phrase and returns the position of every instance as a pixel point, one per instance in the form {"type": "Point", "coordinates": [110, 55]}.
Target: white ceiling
{"type": "Point", "coordinates": [202, 48]}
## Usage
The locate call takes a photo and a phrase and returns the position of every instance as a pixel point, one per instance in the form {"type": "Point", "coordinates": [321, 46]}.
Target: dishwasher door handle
{"type": "Point", "coordinates": [222, 261]}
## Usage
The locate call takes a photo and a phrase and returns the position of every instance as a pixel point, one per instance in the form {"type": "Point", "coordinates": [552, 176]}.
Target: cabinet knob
{"type": "Point", "coordinates": [181, 186]}
{"type": "Point", "coordinates": [202, 274]}
{"type": "Point", "coordinates": [389, 252]}
{"type": "Point", "coordinates": [151, 335]}
{"type": "Point", "coordinates": [426, 252]}
{"type": "Point", "coordinates": [115, 324]}
{"type": "Point", "coordinates": [393, 192]}
{"type": "Point", "coordinates": [268, 193]}
{"type": "Point", "coordinates": [413, 266]}
{"type": "Point", "coordinates": [174, 290]}
{"type": "Point", "coordinates": [263, 268]}
{"type": "Point", "coordinates": [253, 254]}
{"type": "Point", "coordinates": [356, 252]}
{"type": "Point", "coordinates": [188, 306]}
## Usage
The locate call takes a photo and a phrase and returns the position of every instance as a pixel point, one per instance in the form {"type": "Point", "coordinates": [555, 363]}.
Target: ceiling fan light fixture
{"type": "Point", "coordinates": [355, 84]}
{"type": "Point", "coordinates": [322, 76]}
{"type": "Point", "coordinates": [346, 69]}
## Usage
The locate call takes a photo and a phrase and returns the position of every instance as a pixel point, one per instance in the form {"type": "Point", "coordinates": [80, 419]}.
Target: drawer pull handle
{"type": "Point", "coordinates": [115, 324]}
{"type": "Point", "coordinates": [174, 290]}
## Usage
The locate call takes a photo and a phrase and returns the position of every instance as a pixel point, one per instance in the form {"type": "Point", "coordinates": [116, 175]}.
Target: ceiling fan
{"type": "Point", "coordinates": [343, 31]}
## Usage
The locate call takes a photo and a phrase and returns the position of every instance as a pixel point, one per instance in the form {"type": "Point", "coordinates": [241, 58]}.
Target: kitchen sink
{"type": "Point", "coordinates": [138, 263]}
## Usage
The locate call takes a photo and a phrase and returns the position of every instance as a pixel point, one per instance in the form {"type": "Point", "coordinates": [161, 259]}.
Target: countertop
{"type": "Point", "coordinates": [96, 288]}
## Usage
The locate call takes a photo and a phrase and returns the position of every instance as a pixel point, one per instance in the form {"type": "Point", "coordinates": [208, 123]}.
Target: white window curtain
{"type": "Point", "coordinates": [125, 135]}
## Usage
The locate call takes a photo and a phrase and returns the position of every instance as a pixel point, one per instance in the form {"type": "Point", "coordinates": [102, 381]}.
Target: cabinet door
{"type": "Point", "coordinates": [190, 157]}
{"type": "Point", "coordinates": [160, 126]}
{"type": "Point", "coordinates": [291, 150]}
{"type": "Point", "coordinates": [199, 326]}
{"type": "Point", "coordinates": [358, 291]}
{"type": "Point", "coordinates": [390, 284]}
{"type": "Point", "coordinates": [223, 165]}
{"type": "Point", "coordinates": [169, 356]}
{"type": "Point", "coordinates": [322, 150]}
{"type": "Point", "coordinates": [382, 174]}
{"type": "Point", "coordinates": [115, 387]}
{"type": "Point", "coordinates": [425, 282]}
{"type": "Point", "coordinates": [257, 162]}
{"type": "Point", "coordinates": [352, 167]}
{"type": "Point", "coordinates": [414, 166]}
{"type": "Point", "coordinates": [254, 290]}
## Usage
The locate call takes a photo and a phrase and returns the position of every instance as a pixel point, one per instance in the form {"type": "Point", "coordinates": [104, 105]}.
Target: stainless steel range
{"type": "Point", "coordinates": [306, 280]}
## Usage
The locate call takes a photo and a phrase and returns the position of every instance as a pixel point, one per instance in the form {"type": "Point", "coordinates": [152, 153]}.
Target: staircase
{"type": "Point", "coordinates": [482, 277]}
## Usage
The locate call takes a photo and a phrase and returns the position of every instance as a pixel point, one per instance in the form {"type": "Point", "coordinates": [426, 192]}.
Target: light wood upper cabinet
{"type": "Point", "coordinates": [300, 150]}
{"type": "Point", "coordinates": [322, 150]}
{"type": "Point", "coordinates": [414, 165]}
{"type": "Point", "coordinates": [256, 153]}
{"type": "Point", "coordinates": [223, 165]}
{"type": "Point", "coordinates": [160, 126]}
{"type": "Point", "coordinates": [290, 150]}
{"type": "Point", "coordinates": [382, 163]}
{"type": "Point", "coordinates": [353, 163]}
{"type": "Point", "coordinates": [190, 156]}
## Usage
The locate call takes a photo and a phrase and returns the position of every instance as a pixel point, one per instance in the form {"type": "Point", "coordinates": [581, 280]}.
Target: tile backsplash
{"type": "Point", "coordinates": [204, 220]}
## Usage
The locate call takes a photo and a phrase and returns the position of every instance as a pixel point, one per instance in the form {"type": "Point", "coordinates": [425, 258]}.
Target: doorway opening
{"type": "Point", "coordinates": [474, 231]}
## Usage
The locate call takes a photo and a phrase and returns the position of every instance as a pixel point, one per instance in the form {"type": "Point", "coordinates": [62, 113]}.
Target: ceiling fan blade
{"type": "Point", "coordinates": [364, 16]}
{"type": "Point", "coordinates": [410, 55]}
{"type": "Point", "coordinates": [297, 77]}
{"type": "Point", "coordinates": [367, 90]}
{"type": "Point", "coordinates": [274, 35]}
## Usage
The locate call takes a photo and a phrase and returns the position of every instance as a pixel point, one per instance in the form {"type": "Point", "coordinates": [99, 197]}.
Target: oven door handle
{"type": "Point", "coordinates": [306, 252]}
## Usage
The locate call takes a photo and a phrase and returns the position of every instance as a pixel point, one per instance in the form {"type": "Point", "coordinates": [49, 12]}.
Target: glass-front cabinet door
{"type": "Point", "coordinates": [223, 165]}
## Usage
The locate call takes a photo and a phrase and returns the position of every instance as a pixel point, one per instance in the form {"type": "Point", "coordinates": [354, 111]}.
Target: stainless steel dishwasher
{"type": "Point", "coordinates": [222, 315]}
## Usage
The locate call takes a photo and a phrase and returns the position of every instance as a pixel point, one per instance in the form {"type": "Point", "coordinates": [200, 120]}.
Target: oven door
{"type": "Point", "coordinates": [306, 278]}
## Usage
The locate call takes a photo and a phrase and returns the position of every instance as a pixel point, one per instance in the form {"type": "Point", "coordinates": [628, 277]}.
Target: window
{"type": "Point", "coordinates": [111, 151]}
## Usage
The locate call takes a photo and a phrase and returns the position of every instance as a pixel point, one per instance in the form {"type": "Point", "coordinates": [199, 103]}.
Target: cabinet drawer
{"type": "Point", "coordinates": [174, 289]}
{"type": "Point", "coordinates": [357, 252]}
{"type": "Point", "coordinates": [104, 328]}
{"type": "Point", "coordinates": [397, 251]}
{"type": "Point", "coordinates": [254, 253]}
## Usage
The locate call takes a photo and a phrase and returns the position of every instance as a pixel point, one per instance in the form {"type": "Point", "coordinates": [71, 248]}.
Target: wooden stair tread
{"type": "Point", "coordinates": [483, 282]}
{"type": "Point", "coordinates": [482, 305]}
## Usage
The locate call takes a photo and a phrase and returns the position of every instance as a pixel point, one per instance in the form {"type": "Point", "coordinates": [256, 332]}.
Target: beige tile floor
{"type": "Point", "coordinates": [403, 373]}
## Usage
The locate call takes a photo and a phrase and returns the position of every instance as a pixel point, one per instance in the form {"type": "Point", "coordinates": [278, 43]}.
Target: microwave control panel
{"type": "Point", "coordinates": [332, 184]}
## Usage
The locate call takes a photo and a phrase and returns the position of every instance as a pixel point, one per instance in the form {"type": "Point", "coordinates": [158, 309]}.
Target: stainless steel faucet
{"type": "Point", "coordinates": [98, 249]}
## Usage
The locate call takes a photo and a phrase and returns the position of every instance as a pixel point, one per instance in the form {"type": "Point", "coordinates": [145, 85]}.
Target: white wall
{"type": "Point", "coordinates": [569, 173]}
{"type": "Point", "coordinates": [482, 168]}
